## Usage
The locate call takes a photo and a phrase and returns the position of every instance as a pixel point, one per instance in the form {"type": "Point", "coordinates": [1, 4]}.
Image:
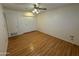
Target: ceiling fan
{"type": "Point", "coordinates": [37, 8]}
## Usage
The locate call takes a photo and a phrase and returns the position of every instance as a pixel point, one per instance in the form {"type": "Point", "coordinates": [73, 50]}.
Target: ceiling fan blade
{"type": "Point", "coordinates": [42, 8]}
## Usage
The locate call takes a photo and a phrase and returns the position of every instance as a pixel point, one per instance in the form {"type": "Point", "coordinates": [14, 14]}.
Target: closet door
{"type": "Point", "coordinates": [12, 25]}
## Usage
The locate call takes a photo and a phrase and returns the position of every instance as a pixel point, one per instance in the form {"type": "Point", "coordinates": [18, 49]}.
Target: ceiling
{"type": "Point", "coordinates": [29, 6]}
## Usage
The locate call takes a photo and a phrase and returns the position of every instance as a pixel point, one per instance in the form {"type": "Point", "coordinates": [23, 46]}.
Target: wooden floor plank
{"type": "Point", "coordinates": [40, 44]}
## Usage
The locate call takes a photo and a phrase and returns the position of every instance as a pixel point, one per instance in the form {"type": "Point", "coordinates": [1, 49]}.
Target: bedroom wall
{"type": "Point", "coordinates": [62, 23]}
{"type": "Point", "coordinates": [17, 23]}
{"type": "Point", "coordinates": [3, 34]}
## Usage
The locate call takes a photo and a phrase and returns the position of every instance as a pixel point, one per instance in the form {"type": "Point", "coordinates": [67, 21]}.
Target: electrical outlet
{"type": "Point", "coordinates": [13, 34]}
{"type": "Point", "coordinates": [71, 37]}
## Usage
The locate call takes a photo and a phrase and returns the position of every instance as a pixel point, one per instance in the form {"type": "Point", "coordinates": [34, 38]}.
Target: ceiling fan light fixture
{"type": "Point", "coordinates": [37, 8]}
{"type": "Point", "coordinates": [33, 11]}
{"type": "Point", "coordinates": [36, 11]}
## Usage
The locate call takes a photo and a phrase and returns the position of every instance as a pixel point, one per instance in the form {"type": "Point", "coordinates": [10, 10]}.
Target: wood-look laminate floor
{"type": "Point", "coordinates": [40, 44]}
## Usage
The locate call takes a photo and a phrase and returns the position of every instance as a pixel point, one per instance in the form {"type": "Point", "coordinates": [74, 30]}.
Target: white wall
{"type": "Point", "coordinates": [3, 34]}
{"type": "Point", "coordinates": [18, 23]}
{"type": "Point", "coordinates": [61, 23]}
